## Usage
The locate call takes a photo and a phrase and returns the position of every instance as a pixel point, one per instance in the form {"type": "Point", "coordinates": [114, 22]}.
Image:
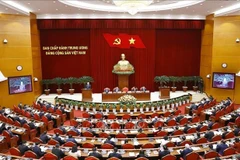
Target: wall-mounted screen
{"type": "Point", "coordinates": [223, 80]}
{"type": "Point", "coordinates": [20, 84]}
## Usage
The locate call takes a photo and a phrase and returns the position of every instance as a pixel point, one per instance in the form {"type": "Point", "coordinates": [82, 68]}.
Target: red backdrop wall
{"type": "Point", "coordinates": [172, 48]}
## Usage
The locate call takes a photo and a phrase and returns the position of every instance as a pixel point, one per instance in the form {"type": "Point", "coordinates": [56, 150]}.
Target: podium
{"type": "Point", "coordinates": [164, 93]}
{"type": "Point", "coordinates": [123, 80]}
{"type": "Point", "coordinates": [86, 95]}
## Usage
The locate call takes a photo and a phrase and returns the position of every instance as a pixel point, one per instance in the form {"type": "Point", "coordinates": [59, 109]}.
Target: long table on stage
{"type": "Point", "coordinates": [113, 97]}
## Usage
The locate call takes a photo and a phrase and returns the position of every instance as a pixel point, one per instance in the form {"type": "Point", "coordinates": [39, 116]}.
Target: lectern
{"type": "Point", "coordinates": [164, 92]}
{"type": "Point", "coordinates": [123, 80]}
{"type": "Point", "coordinates": [86, 95]}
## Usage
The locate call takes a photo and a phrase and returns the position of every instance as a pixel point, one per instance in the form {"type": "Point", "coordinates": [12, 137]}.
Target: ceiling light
{"type": "Point", "coordinates": [56, 9]}
{"type": "Point", "coordinates": [227, 10]}
{"type": "Point", "coordinates": [54, 2]}
{"type": "Point", "coordinates": [28, 3]}
{"type": "Point", "coordinates": [132, 6]}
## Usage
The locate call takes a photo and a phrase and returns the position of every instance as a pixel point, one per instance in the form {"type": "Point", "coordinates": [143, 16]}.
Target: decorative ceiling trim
{"type": "Point", "coordinates": [15, 6]}
{"type": "Point", "coordinates": [227, 10]}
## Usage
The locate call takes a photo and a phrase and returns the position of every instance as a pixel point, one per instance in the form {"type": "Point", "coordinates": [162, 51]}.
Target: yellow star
{"type": "Point", "coordinates": [132, 41]}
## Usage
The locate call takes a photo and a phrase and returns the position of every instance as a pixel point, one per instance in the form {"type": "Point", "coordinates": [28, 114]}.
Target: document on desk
{"type": "Point", "coordinates": [195, 148]}
{"type": "Point", "coordinates": [19, 130]}
{"type": "Point", "coordinates": [133, 131]}
{"type": "Point", "coordinates": [176, 140]}
{"type": "Point", "coordinates": [43, 149]}
{"type": "Point", "coordinates": [131, 154]}
{"type": "Point", "coordinates": [159, 140]}
{"type": "Point", "coordinates": [189, 137]}
{"type": "Point", "coordinates": [178, 151]}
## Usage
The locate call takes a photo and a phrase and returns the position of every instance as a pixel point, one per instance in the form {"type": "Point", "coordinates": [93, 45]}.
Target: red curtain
{"type": "Point", "coordinates": [65, 65]}
{"type": "Point", "coordinates": [103, 58]}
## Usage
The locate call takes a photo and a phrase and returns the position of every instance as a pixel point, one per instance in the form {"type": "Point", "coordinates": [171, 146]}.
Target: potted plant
{"type": "Point", "coordinates": [159, 104]}
{"type": "Point", "coordinates": [58, 81]}
{"type": "Point", "coordinates": [147, 105]}
{"type": "Point", "coordinates": [185, 79]}
{"type": "Point", "coordinates": [94, 107]}
{"type": "Point", "coordinates": [114, 106]}
{"type": "Point", "coordinates": [196, 79]}
{"type": "Point", "coordinates": [121, 107]}
{"type": "Point", "coordinates": [107, 106]}
{"type": "Point", "coordinates": [46, 82]}
{"type": "Point", "coordinates": [101, 107]}
{"type": "Point", "coordinates": [84, 80]}
{"type": "Point", "coordinates": [81, 106]}
{"type": "Point", "coordinates": [161, 80]}
{"type": "Point", "coordinates": [141, 107]}
{"type": "Point", "coordinates": [71, 81]}
{"type": "Point", "coordinates": [153, 106]}
{"type": "Point", "coordinates": [128, 105]}
{"type": "Point", "coordinates": [174, 79]}
{"type": "Point", "coordinates": [135, 108]}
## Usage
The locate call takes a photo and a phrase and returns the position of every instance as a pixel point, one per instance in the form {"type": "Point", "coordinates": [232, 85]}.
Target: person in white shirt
{"type": "Point", "coordinates": [75, 152]}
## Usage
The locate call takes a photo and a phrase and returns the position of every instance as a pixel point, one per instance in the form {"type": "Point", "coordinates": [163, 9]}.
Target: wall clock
{"type": "Point", "coordinates": [19, 68]}
{"type": "Point", "coordinates": [224, 65]}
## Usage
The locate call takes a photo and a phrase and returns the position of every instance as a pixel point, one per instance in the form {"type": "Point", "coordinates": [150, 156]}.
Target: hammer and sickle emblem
{"type": "Point", "coordinates": [117, 41]}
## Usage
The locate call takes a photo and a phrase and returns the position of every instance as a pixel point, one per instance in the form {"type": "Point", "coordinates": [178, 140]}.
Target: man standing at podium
{"type": "Point", "coordinates": [88, 85]}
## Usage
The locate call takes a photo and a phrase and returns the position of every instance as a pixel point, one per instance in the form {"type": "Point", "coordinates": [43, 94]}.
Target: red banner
{"type": "Point", "coordinates": [123, 40]}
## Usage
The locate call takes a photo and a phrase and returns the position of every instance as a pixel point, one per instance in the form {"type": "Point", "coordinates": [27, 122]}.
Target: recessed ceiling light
{"type": "Point", "coordinates": [66, 6]}
{"type": "Point", "coordinates": [193, 11]}
{"type": "Point", "coordinates": [79, 9]}
{"type": "Point", "coordinates": [221, 6]}
{"type": "Point", "coordinates": [201, 4]}
{"type": "Point", "coordinates": [6, 8]}
{"type": "Point", "coordinates": [107, 1]}
{"type": "Point", "coordinates": [54, 2]}
{"type": "Point", "coordinates": [39, 9]}
{"type": "Point", "coordinates": [187, 7]}
{"type": "Point", "coordinates": [56, 9]}
{"type": "Point", "coordinates": [28, 3]}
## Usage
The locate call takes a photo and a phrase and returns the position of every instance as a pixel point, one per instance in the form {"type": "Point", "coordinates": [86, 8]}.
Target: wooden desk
{"type": "Point", "coordinates": [86, 95]}
{"type": "Point", "coordinates": [113, 97]}
{"type": "Point", "coordinates": [2, 156]}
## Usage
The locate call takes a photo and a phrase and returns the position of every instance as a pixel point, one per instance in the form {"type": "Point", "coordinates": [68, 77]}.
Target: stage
{"type": "Point", "coordinates": [97, 97]}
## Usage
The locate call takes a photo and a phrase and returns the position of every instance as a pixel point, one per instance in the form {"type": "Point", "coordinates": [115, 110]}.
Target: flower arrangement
{"type": "Point", "coordinates": [127, 99]}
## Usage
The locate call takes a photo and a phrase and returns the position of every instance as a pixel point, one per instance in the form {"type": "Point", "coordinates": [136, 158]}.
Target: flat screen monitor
{"type": "Point", "coordinates": [223, 80]}
{"type": "Point", "coordinates": [20, 84]}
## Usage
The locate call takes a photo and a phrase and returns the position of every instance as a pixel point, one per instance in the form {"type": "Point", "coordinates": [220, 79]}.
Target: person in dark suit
{"type": "Point", "coordinates": [88, 85]}
{"type": "Point", "coordinates": [22, 121]}
{"type": "Point", "coordinates": [36, 149]}
{"type": "Point", "coordinates": [58, 152]}
{"type": "Point", "coordinates": [199, 126]}
{"type": "Point", "coordinates": [49, 116]}
{"type": "Point", "coordinates": [74, 128]}
{"type": "Point", "coordinates": [62, 128]}
{"type": "Point", "coordinates": [23, 148]}
{"type": "Point", "coordinates": [3, 127]}
{"type": "Point", "coordinates": [210, 124]}
{"type": "Point", "coordinates": [178, 118]}
{"type": "Point", "coordinates": [10, 132]}
{"type": "Point", "coordinates": [197, 138]}
{"type": "Point", "coordinates": [41, 113]}
{"type": "Point", "coordinates": [186, 151]}
{"type": "Point", "coordinates": [163, 153]}
{"type": "Point", "coordinates": [115, 154]}
{"type": "Point", "coordinates": [57, 138]}
{"type": "Point", "coordinates": [32, 125]}
{"type": "Point", "coordinates": [236, 130]}
{"type": "Point", "coordinates": [71, 139]}
{"type": "Point", "coordinates": [96, 154]}
{"type": "Point", "coordinates": [186, 128]}
{"type": "Point", "coordinates": [141, 154]}
{"type": "Point", "coordinates": [221, 147]}
{"type": "Point", "coordinates": [92, 131]}
{"type": "Point", "coordinates": [44, 137]}
{"type": "Point", "coordinates": [108, 140]}
{"type": "Point", "coordinates": [209, 135]}
{"type": "Point", "coordinates": [225, 133]}
{"type": "Point", "coordinates": [236, 145]}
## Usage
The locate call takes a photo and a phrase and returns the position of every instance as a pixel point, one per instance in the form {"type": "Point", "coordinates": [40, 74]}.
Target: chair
{"type": "Point", "coordinates": [128, 146]}
{"type": "Point", "coordinates": [100, 124]}
{"type": "Point", "coordinates": [98, 115]}
{"type": "Point", "coordinates": [32, 132]}
{"type": "Point", "coordinates": [191, 130]}
{"type": "Point", "coordinates": [10, 140]}
{"type": "Point", "coordinates": [10, 121]}
{"type": "Point", "coordinates": [30, 154]}
{"type": "Point", "coordinates": [44, 108]}
{"type": "Point", "coordinates": [50, 156]}
{"type": "Point", "coordinates": [53, 142]}
{"type": "Point", "coordinates": [86, 124]}
{"type": "Point", "coordinates": [215, 126]}
{"type": "Point", "coordinates": [103, 135]}
{"type": "Point", "coordinates": [74, 122]}
{"type": "Point", "coordinates": [185, 142]}
{"type": "Point", "coordinates": [161, 134]}
{"type": "Point", "coordinates": [129, 125]}
{"type": "Point", "coordinates": [211, 154]}
{"type": "Point", "coordinates": [172, 122]}
{"type": "Point", "coordinates": [91, 158]}
{"type": "Point", "coordinates": [51, 110]}
{"type": "Point", "coordinates": [154, 115]}
{"type": "Point", "coordinates": [141, 158]}
{"type": "Point", "coordinates": [37, 140]}
{"type": "Point", "coordinates": [216, 138]}
{"type": "Point", "coordinates": [177, 112]}
{"type": "Point", "coordinates": [87, 134]}
{"type": "Point", "coordinates": [141, 135]}
{"type": "Point", "coordinates": [86, 115]}
{"type": "Point", "coordinates": [115, 125]}
{"type": "Point", "coordinates": [191, 156]}
{"type": "Point", "coordinates": [126, 116]}
{"type": "Point", "coordinates": [111, 116]}
{"type": "Point", "coordinates": [143, 124]}
{"type": "Point", "coordinates": [203, 128]}
{"type": "Point", "coordinates": [121, 135]}
{"type": "Point", "coordinates": [107, 146]}
{"type": "Point", "coordinates": [143, 116]}
{"type": "Point", "coordinates": [229, 151]}
{"type": "Point", "coordinates": [16, 123]}
{"type": "Point", "coordinates": [36, 117]}
{"type": "Point", "coordinates": [229, 135]}
{"type": "Point", "coordinates": [63, 115]}
{"type": "Point", "coordinates": [48, 123]}
{"type": "Point", "coordinates": [158, 124]}
{"type": "Point", "coordinates": [183, 121]}
{"type": "Point", "coordinates": [195, 119]}
{"type": "Point", "coordinates": [167, 114]}
{"type": "Point", "coordinates": [113, 158]}
{"type": "Point", "coordinates": [170, 144]}
{"type": "Point", "coordinates": [73, 133]}
{"type": "Point", "coordinates": [169, 157]}
{"type": "Point", "coordinates": [57, 130]}
{"type": "Point", "coordinates": [178, 132]}
{"type": "Point", "coordinates": [148, 145]}
{"type": "Point", "coordinates": [202, 140]}
{"type": "Point", "coordinates": [69, 144]}
{"type": "Point", "coordinates": [69, 158]}
{"type": "Point", "coordinates": [88, 145]}
{"type": "Point", "coordinates": [14, 151]}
